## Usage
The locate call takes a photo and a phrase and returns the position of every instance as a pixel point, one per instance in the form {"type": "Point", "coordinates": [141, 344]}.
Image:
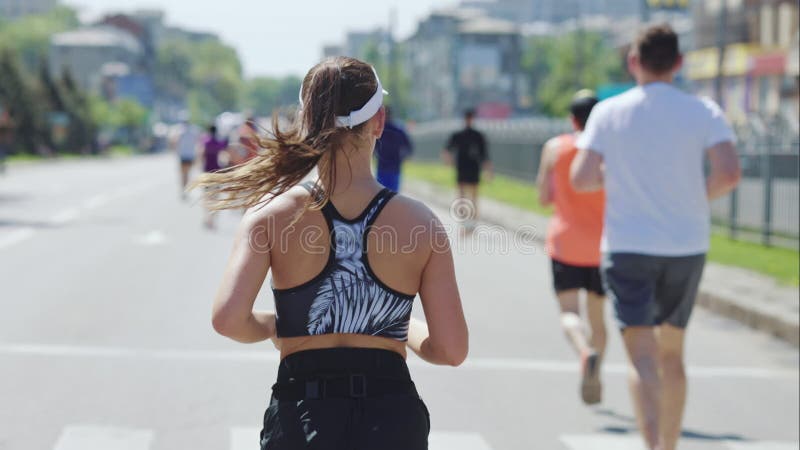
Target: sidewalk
{"type": "Point", "coordinates": [748, 297]}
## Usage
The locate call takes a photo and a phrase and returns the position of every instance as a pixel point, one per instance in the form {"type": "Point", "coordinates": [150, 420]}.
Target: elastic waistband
{"type": "Point", "coordinates": [343, 360]}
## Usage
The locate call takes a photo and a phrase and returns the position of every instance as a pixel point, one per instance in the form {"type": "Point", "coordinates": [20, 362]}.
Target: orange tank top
{"type": "Point", "coordinates": [573, 236]}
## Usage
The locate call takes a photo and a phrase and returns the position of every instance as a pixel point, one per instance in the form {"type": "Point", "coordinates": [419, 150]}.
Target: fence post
{"type": "Point", "coordinates": [766, 177]}
{"type": "Point", "coordinates": [733, 214]}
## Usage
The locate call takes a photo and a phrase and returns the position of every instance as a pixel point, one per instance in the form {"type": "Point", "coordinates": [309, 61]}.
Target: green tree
{"type": "Point", "coordinates": [265, 94]}
{"type": "Point", "coordinates": [172, 75]}
{"type": "Point", "coordinates": [82, 127]}
{"type": "Point", "coordinates": [208, 74]}
{"type": "Point", "coordinates": [557, 67]}
{"type": "Point", "coordinates": [29, 36]}
{"type": "Point", "coordinates": [19, 98]}
{"type": "Point", "coordinates": [393, 76]}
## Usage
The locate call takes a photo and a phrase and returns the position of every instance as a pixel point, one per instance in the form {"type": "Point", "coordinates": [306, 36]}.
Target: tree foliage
{"type": "Point", "coordinates": [29, 36]}
{"type": "Point", "coordinates": [207, 73]}
{"type": "Point", "coordinates": [557, 67]}
{"type": "Point", "coordinates": [262, 95]}
{"type": "Point", "coordinates": [82, 126]}
{"type": "Point", "coordinates": [18, 97]}
{"type": "Point", "coordinates": [393, 76]}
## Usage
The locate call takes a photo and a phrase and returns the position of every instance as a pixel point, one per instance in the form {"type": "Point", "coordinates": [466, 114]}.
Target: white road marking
{"type": "Point", "coordinates": [155, 237]}
{"type": "Point", "coordinates": [602, 442]}
{"type": "Point", "coordinates": [136, 188]}
{"type": "Point", "coordinates": [269, 355]}
{"type": "Point", "coordinates": [449, 440]}
{"type": "Point", "coordinates": [70, 214]}
{"type": "Point", "coordinates": [66, 216]}
{"type": "Point", "coordinates": [16, 237]}
{"type": "Point", "coordinates": [245, 438]}
{"type": "Point", "coordinates": [95, 437]}
{"type": "Point", "coordinates": [96, 201]}
{"type": "Point", "coordinates": [141, 353]}
{"type": "Point", "coordinates": [765, 445]}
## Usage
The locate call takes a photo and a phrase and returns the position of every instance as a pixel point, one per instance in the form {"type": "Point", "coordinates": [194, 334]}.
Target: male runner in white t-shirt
{"type": "Point", "coordinates": [647, 147]}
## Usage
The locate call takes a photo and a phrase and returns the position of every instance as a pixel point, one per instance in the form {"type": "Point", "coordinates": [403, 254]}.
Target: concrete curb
{"type": "Point", "coordinates": [753, 299]}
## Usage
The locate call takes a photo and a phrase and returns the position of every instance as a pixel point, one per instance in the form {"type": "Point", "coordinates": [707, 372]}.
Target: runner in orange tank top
{"type": "Point", "coordinates": [573, 243]}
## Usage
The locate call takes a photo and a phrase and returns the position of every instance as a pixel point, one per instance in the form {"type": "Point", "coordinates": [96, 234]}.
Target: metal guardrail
{"type": "Point", "coordinates": [764, 207]}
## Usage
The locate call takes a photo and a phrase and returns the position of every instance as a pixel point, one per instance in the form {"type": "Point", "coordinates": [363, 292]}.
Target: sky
{"type": "Point", "coordinates": [276, 37]}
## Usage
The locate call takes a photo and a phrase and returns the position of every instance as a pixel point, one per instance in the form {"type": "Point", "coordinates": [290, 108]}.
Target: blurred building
{"type": "Point", "coordinates": [555, 11]}
{"type": "Point", "coordinates": [759, 74]}
{"type": "Point", "coordinates": [12, 9]}
{"type": "Point", "coordinates": [85, 51]}
{"type": "Point", "coordinates": [459, 59]}
{"type": "Point", "coordinates": [358, 44]}
{"type": "Point", "coordinates": [332, 50]}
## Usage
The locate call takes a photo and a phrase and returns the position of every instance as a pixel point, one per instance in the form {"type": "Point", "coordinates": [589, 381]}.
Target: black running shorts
{"type": "Point", "coordinates": [567, 277]}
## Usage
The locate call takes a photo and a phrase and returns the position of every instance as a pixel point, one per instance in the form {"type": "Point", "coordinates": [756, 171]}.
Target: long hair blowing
{"type": "Point", "coordinates": [334, 87]}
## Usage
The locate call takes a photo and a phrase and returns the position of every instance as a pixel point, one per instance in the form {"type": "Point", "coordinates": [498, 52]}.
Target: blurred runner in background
{"type": "Point", "coordinates": [392, 148]}
{"type": "Point", "coordinates": [186, 142]}
{"type": "Point", "coordinates": [573, 243]}
{"type": "Point", "coordinates": [214, 149]}
{"type": "Point", "coordinates": [470, 159]}
{"type": "Point", "coordinates": [245, 140]}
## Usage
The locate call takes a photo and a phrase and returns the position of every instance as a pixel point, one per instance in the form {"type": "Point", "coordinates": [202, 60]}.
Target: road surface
{"type": "Point", "coordinates": [106, 282]}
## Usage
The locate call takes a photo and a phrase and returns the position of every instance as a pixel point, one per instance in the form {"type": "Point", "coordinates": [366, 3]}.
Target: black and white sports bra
{"type": "Point", "coordinates": [346, 297]}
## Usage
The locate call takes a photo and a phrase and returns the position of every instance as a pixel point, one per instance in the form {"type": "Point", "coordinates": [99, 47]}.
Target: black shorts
{"type": "Point", "coordinates": [468, 174]}
{"type": "Point", "coordinates": [567, 277]}
{"type": "Point", "coordinates": [319, 417]}
{"type": "Point", "coordinates": [651, 290]}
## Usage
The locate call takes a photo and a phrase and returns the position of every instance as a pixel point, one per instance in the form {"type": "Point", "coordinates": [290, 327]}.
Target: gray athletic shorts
{"type": "Point", "coordinates": [651, 290]}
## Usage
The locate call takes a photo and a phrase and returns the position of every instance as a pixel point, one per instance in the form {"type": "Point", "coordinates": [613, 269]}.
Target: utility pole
{"type": "Point", "coordinates": [578, 45]}
{"type": "Point", "coordinates": [394, 79]}
{"type": "Point", "coordinates": [722, 24]}
{"type": "Point", "coordinates": [644, 12]}
{"type": "Point", "coordinates": [719, 96]}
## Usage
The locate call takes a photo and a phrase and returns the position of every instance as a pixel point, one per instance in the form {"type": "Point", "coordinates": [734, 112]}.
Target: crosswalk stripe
{"type": "Point", "coordinates": [96, 437]}
{"type": "Point", "coordinates": [16, 236]}
{"type": "Point", "coordinates": [602, 442]}
{"type": "Point", "coordinates": [771, 445]}
{"type": "Point", "coordinates": [244, 438]}
{"type": "Point", "coordinates": [450, 440]}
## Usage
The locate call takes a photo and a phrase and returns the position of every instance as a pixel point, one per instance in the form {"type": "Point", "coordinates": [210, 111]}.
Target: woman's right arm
{"type": "Point", "coordinates": [445, 338]}
{"type": "Point", "coordinates": [233, 314]}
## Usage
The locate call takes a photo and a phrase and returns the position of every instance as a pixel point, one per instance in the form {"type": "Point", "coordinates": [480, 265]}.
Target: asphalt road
{"type": "Point", "coordinates": [106, 280]}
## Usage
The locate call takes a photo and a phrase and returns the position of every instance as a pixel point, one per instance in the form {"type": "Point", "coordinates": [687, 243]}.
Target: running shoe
{"type": "Point", "coordinates": [591, 387]}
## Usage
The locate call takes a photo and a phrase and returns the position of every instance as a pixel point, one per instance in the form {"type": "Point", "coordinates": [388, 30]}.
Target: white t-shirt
{"type": "Point", "coordinates": [188, 138]}
{"type": "Point", "coordinates": [653, 140]}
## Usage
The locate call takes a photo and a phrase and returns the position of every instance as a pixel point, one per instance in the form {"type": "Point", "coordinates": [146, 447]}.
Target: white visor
{"type": "Point", "coordinates": [366, 112]}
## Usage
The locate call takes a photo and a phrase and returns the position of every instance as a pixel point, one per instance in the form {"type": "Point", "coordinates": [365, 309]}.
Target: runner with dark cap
{"type": "Point", "coordinates": [573, 243]}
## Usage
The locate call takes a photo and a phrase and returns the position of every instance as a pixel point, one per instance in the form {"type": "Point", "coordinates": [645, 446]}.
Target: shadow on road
{"type": "Point", "coordinates": [10, 197]}
{"type": "Point", "coordinates": [685, 433]}
{"type": "Point", "coordinates": [27, 223]}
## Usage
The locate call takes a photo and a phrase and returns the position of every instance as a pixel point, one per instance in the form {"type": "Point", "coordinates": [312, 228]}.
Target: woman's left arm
{"type": "Point", "coordinates": [233, 314]}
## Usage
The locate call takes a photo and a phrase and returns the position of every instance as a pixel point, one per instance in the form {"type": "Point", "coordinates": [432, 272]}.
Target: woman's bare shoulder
{"type": "Point", "coordinates": [415, 210]}
{"type": "Point", "coordinates": [280, 209]}
{"type": "Point", "coordinates": [408, 211]}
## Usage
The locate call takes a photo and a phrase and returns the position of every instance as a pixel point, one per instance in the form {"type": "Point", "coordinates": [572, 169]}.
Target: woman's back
{"type": "Point", "coordinates": [347, 275]}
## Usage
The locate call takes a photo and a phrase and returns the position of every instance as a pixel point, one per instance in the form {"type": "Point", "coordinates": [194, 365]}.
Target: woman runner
{"type": "Point", "coordinates": [347, 259]}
